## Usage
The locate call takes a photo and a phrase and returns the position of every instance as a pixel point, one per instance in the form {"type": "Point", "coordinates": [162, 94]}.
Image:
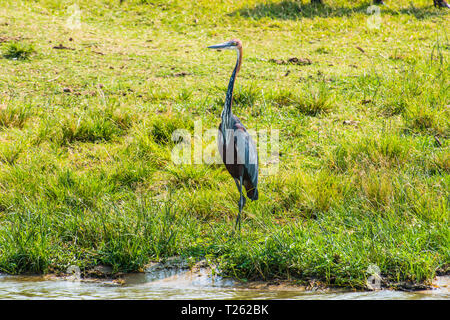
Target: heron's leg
{"type": "Point", "coordinates": [240, 191]}
{"type": "Point", "coordinates": [237, 183]}
{"type": "Point", "coordinates": [241, 203]}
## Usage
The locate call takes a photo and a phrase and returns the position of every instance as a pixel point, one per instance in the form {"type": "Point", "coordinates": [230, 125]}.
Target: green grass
{"type": "Point", "coordinates": [18, 51]}
{"type": "Point", "coordinates": [86, 175]}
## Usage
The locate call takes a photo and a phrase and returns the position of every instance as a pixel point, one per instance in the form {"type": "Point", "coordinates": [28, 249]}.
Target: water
{"type": "Point", "coordinates": [182, 284]}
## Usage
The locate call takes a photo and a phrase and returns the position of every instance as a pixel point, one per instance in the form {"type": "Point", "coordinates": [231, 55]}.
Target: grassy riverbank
{"type": "Point", "coordinates": [87, 111]}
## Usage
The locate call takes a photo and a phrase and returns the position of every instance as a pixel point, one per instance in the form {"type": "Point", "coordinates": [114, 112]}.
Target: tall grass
{"type": "Point", "coordinates": [18, 51]}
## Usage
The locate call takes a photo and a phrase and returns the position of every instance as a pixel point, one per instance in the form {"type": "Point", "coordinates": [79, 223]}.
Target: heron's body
{"type": "Point", "coordinates": [236, 146]}
{"type": "Point", "coordinates": [243, 162]}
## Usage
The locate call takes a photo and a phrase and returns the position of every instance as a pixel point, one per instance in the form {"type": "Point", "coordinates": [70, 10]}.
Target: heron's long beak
{"type": "Point", "coordinates": [225, 45]}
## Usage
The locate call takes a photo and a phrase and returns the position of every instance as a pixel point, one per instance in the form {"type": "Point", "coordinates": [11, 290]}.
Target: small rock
{"type": "Point", "coordinates": [350, 123]}
{"type": "Point", "coordinates": [294, 60]}
{"type": "Point", "coordinates": [61, 47]}
{"type": "Point", "coordinates": [102, 269]}
{"type": "Point", "coordinates": [277, 61]}
{"type": "Point", "coordinates": [180, 74]}
{"type": "Point", "coordinates": [301, 61]}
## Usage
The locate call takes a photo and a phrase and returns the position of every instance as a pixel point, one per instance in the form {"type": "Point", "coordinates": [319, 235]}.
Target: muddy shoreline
{"type": "Point", "coordinates": [174, 268]}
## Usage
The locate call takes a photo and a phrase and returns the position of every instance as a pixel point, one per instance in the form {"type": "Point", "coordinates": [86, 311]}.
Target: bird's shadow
{"type": "Point", "coordinates": [295, 10]}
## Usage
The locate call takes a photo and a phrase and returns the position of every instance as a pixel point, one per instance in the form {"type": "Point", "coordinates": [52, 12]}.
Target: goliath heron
{"type": "Point", "coordinates": [236, 147]}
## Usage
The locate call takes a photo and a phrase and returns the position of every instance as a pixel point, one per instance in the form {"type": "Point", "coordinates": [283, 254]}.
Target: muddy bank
{"type": "Point", "coordinates": [201, 273]}
{"type": "Point", "coordinates": [178, 280]}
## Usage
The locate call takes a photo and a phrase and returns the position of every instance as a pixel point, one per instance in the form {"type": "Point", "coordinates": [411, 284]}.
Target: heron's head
{"type": "Point", "coordinates": [235, 44]}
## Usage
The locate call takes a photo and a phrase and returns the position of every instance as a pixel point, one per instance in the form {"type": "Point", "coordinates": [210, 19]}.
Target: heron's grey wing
{"type": "Point", "coordinates": [225, 150]}
{"type": "Point", "coordinates": [252, 165]}
{"type": "Point", "coordinates": [246, 153]}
